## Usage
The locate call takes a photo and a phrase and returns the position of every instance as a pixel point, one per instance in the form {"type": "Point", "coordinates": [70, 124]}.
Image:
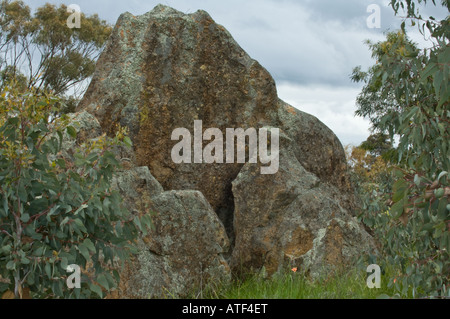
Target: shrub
{"type": "Point", "coordinates": [56, 211]}
{"type": "Point", "coordinates": [406, 94]}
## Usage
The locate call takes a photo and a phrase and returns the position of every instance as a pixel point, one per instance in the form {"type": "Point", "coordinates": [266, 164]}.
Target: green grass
{"type": "Point", "coordinates": [350, 285]}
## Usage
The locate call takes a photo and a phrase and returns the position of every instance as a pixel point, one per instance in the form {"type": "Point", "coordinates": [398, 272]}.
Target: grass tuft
{"type": "Point", "coordinates": [290, 285]}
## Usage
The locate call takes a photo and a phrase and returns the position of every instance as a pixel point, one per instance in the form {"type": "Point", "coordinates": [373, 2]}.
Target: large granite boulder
{"type": "Point", "coordinates": [163, 71]}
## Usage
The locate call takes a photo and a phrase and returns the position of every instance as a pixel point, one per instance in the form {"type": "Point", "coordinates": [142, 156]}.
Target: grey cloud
{"type": "Point", "coordinates": [306, 41]}
{"type": "Point", "coordinates": [333, 105]}
{"type": "Point", "coordinates": [341, 10]}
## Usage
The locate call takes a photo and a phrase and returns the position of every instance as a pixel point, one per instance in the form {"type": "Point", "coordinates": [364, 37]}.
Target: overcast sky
{"type": "Point", "coordinates": [309, 46]}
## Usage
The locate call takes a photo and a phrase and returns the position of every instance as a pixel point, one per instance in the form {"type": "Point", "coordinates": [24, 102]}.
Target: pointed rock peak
{"type": "Point", "coordinates": [202, 15]}
{"type": "Point", "coordinates": [165, 10]}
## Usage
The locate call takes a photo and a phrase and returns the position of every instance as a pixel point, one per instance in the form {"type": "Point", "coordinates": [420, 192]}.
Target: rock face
{"type": "Point", "coordinates": [292, 219]}
{"type": "Point", "coordinates": [184, 252]}
{"type": "Point", "coordinates": [164, 70]}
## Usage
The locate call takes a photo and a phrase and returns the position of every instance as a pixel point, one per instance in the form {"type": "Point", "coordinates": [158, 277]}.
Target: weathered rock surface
{"type": "Point", "coordinates": [318, 149]}
{"type": "Point", "coordinates": [165, 69]}
{"type": "Point", "coordinates": [184, 251]}
{"type": "Point", "coordinates": [292, 219]}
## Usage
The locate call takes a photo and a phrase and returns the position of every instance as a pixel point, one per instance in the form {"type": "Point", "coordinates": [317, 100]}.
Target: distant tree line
{"type": "Point", "coordinates": [40, 50]}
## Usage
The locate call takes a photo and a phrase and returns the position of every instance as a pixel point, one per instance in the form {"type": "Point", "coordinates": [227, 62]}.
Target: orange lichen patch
{"type": "Point", "coordinates": [291, 110]}
{"type": "Point", "coordinates": [225, 265]}
{"type": "Point", "coordinates": [122, 34]}
{"type": "Point", "coordinates": [130, 39]}
{"type": "Point", "coordinates": [301, 243]}
{"type": "Point", "coordinates": [272, 262]}
{"type": "Point", "coordinates": [333, 242]}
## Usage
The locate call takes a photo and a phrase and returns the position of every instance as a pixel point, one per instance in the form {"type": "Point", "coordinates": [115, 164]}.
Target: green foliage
{"type": "Point", "coordinates": [379, 144]}
{"type": "Point", "coordinates": [66, 56]}
{"type": "Point", "coordinates": [406, 94]}
{"type": "Point", "coordinates": [371, 175]}
{"type": "Point", "coordinates": [56, 210]}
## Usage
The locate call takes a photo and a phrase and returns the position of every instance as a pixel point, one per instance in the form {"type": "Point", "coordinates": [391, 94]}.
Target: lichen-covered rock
{"type": "Point", "coordinates": [86, 125]}
{"type": "Point", "coordinates": [165, 69]}
{"type": "Point", "coordinates": [185, 250]}
{"type": "Point", "coordinates": [162, 71]}
{"type": "Point", "coordinates": [136, 186]}
{"type": "Point", "coordinates": [184, 253]}
{"type": "Point", "coordinates": [292, 219]}
{"type": "Point", "coordinates": [318, 149]}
